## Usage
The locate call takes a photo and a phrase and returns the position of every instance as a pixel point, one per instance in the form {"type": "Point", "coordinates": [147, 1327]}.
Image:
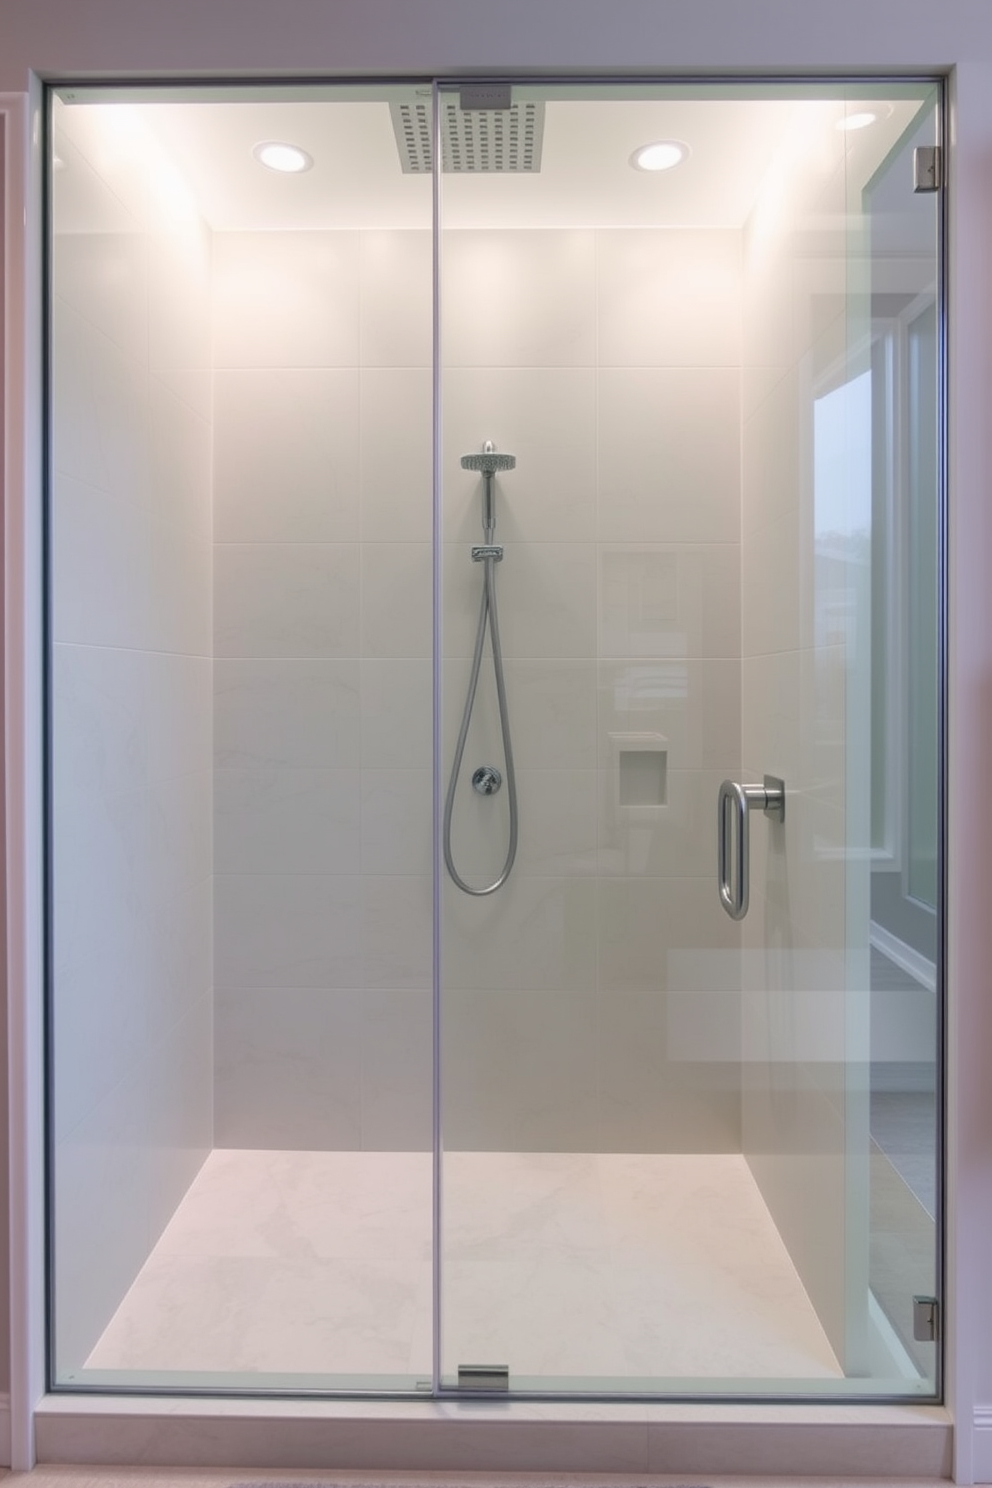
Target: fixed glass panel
{"type": "Point", "coordinates": [670, 558]}
{"type": "Point", "coordinates": [240, 545]}
{"type": "Point", "coordinates": [904, 940]}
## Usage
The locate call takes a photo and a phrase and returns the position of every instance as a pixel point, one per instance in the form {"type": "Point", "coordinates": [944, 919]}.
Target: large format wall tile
{"type": "Point", "coordinates": [545, 599]}
{"type": "Point", "coordinates": [180, 487]}
{"type": "Point", "coordinates": [536, 932]}
{"type": "Point", "coordinates": [397, 821]}
{"type": "Point", "coordinates": [100, 704]}
{"type": "Point", "coordinates": [669, 455]}
{"type": "Point", "coordinates": [397, 932]}
{"type": "Point", "coordinates": [277, 712]}
{"type": "Point", "coordinates": [286, 299]}
{"type": "Point", "coordinates": [670, 601]}
{"type": "Point", "coordinates": [397, 271]}
{"type": "Point", "coordinates": [101, 556]}
{"type": "Point", "coordinates": [396, 599]}
{"type": "Point", "coordinates": [397, 454]}
{"type": "Point", "coordinates": [271, 1092]}
{"type": "Point", "coordinates": [650, 930]}
{"type": "Point", "coordinates": [396, 708]}
{"type": "Point", "coordinates": [106, 277]}
{"type": "Point", "coordinates": [286, 456]}
{"type": "Point", "coordinates": [288, 930]}
{"type": "Point", "coordinates": [100, 405]}
{"type": "Point", "coordinates": [619, 604]}
{"type": "Point", "coordinates": [515, 299]}
{"type": "Point", "coordinates": [654, 1098]}
{"type": "Point", "coordinates": [668, 297]}
{"type": "Point", "coordinates": [397, 1070]}
{"type": "Point", "coordinates": [519, 1071]}
{"type": "Point", "coordinates": [287, 821]}
{"type": "Point", "coordinates": [132, 738]}
{"type": "Point", "coordinates": [286, 599]}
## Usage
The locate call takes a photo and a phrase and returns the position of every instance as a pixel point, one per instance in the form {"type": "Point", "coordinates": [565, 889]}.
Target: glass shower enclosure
{"type": "Point", "coordinates": [494, 684]}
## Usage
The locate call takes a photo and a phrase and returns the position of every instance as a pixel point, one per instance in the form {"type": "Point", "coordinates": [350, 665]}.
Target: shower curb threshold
{"type": "Point", "coordinates": [873, 1441]}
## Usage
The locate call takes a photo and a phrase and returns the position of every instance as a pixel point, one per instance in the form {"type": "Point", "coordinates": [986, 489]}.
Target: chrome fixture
{"type": "Point", "coordinates": [482, 132]}
{"type": "Point", "coordinates": [488, 463]}
{"type": "Point", "coordinates": [486, 780]}
{"type": "Point", "coordinates": [483, 1376]}
{"type": "Point", "coordinates": [928, 168]}
{"type": "Point", "coordinates": [740, 801]}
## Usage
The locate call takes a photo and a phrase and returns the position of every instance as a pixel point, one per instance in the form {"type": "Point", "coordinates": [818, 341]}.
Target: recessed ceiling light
{"type": "Point", "coordinates": [660, 156]}
{"type": "Point", "coordinates": [282, 157]}
{"type": "Point", "coordinates": [856, 121]}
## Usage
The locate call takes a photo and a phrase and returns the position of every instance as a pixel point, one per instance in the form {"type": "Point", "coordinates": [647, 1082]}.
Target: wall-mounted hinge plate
{"type": "Point", "coordinates": [483, 1377]}
{"type": "Point", "coordinates": [485, 96]}
{"type": "Point", "coordinates": [928, 168]}
{"type": "Point", "coordinates": [926, 1319]}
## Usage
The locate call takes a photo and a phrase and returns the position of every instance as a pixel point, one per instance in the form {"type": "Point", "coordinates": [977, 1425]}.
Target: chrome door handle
{"type": "Point", "coordinates": [739, 800]}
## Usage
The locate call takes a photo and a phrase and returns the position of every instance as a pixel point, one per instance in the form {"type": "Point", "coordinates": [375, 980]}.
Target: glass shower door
{"type": "Point", "coordinates": [690, 434]}
{"type": "Point", "coordinates": [240, 568]}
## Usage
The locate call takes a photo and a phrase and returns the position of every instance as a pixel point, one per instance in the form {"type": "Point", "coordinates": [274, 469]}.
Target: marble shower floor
{"type": "Point", "coordinates": [557, 1264]}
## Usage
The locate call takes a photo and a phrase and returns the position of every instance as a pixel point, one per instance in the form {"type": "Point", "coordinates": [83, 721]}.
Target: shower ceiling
{"type": "Point", "coordinates": [585, 177]}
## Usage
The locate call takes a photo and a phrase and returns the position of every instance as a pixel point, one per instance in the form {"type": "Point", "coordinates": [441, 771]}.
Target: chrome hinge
{"type": "Point", "coordinates": [928, 168]}
{"type": "Point", "coordinates": [485, 96]}
{"type": "Point", "coordinates": [483, 1377]}
{"type": "Point", "coordinates": [926, 1319]}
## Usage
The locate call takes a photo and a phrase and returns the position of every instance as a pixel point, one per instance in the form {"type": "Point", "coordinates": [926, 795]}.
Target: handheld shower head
{"type": "Point", "coordinates": [490, 461]}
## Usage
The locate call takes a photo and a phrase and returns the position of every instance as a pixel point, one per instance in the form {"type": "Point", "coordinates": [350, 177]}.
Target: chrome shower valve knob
{"type": "Point", "coordinates": [486, 780]}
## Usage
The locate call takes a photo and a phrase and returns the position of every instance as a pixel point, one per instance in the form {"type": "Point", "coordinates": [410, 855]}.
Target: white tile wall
{"type": "Point", "coordinates": [285, 599]}
{"type": "Point", "coordinates": [132, 740]}
{"type": "Point", "coordinates": [617, 387]}
{"type": "Point", "coordinates": [618, 391]}
{"type": "Point", "coordinates": [286, 453]}
{"type": "Point", "coordinates": [669, 454]}
{"type": "Point", "coordinates": [286, 300]}
{"type": "Point", "coordinates": [669, 298]}
{"type": "Point", "coordinates": [322, 619]}
{"type": "Point", "coordinates": [519, 299]}
{"type": "Point", "coordinates": [287, 821]}
{"type": "Point", "coordinates": [283, 712]}
{"type": "Point", "coordinates": [396, 453]}
{"type": "Point", "coordinates": [269, 1081]}
{"type": "Point", "coordinates": [288, 930]}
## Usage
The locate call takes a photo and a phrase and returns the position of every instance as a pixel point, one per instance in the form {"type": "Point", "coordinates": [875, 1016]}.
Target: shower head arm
{"type": "Point", "coordinates": [488, 506]}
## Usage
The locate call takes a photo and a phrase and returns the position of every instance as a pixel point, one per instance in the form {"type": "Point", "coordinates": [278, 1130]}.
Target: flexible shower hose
{"type": "Point", "coordinates": [487, 619]}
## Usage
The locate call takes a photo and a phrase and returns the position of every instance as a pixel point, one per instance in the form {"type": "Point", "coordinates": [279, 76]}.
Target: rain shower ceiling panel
{"type": "Point", "coordinates": [474, 139]}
